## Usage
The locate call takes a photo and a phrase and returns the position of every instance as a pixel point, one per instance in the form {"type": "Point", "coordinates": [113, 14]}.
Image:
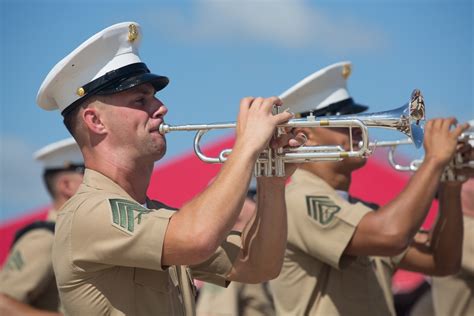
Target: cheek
{"type": "Point", "coordinates": [124, 122]}
{"type": "Point", "coordinates": [333, 138]}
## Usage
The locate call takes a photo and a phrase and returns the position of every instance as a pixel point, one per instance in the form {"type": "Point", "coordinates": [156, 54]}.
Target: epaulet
{"type": "Point", "coordinates": [353, 200]}
{"type": "Point", "coordinates": [157, 205]}
{"type": "Point", "coordinates": [35, 225]}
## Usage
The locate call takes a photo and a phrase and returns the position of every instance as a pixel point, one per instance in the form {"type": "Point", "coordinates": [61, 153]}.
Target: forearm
{"type": "Point", "coordinates": [264, 241]}
{"type": "Point", "coordinates": [447, 237]}
{"type": "Point", "coordinates": [406, 213]}
{"type": "Point", "coordinates": [390, 230]}
{"type": "Point", "coordinates": [202, 224]}
{"type": "Point", "coordinates": [441, 254]}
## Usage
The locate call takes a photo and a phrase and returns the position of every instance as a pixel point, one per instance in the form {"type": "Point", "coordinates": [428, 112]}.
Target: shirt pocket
{"type": "Point", "coordinates": [155, 280]}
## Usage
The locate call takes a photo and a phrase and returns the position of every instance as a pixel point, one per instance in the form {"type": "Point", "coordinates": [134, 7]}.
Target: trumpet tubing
{"type": "Point", "coordinates": [449, 173]}
{"type": "Point", "coordinates": [271, 162]}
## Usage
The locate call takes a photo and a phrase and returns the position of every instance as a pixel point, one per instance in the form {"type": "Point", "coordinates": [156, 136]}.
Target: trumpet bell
{"type": "Point", "coordinates": [408, 119]}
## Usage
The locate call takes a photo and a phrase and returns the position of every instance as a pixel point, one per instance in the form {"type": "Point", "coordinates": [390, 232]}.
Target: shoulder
{"type": "Point", "coordinates": [35, 237]}
{"type": "Point", "coordinates": [38, 228]}
{"type": "Point", "coordinates": [324, 206]}
{"type": "Point", "coordinates": [32, 245]}
{"type": "Point", "coordinates": [96, 202]}
{"type": "Point", "coordinates": [103, 211]}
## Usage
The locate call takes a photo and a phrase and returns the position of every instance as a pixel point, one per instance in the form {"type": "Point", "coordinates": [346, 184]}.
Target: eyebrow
{"type": "Point", "coordinates": [145, 90]}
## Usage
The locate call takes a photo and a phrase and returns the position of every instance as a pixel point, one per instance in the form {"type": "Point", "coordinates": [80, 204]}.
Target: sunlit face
{"type": "Point", "coordinates": [340, 136]}
{"type": "Point", "coordinates": [132, 122]}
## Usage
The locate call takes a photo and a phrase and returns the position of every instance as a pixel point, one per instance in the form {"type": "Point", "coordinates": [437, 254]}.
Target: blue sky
{"type": "Point", "coordinates": [216, 52]}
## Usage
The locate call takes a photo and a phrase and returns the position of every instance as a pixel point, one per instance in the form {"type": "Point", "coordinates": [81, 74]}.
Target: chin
{"type": "Point", "coordinates": [159, 147]}
{"type": "Point", "coordinates": [160, 153]}
{"type": "Point", "coordinates": [355, 163]}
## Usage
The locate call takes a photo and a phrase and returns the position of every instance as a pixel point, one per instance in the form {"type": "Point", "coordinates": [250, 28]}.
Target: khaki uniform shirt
{"type": "Point", "coordinates": [107, 256]}
{"type": "Point", "coordinates": [239, 299]}
{"type": "Point", "coordinates": [27, 275]}
{"type": "Point", "coordinates": [317, 278]}
{"type": "Point", "coordinates": [454, 295]}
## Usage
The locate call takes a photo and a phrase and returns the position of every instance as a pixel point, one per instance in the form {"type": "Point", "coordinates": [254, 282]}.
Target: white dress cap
{"type": "Point", "coordinates": [100, 64]}
{"type": "Point", "coordinates": [323, 91]}
{"type": "Point", "coordinates": [63, 154]}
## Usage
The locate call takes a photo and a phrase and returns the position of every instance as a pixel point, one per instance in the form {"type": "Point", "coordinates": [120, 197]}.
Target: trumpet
{"type": "Point", "coordinates": [450, 171]}
{"type": "Point", "coordinates": [270, 162]}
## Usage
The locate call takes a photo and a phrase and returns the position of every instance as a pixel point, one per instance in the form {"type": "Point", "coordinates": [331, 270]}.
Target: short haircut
{"type": "Point", "coordinates": [71, 117]}
{"type": "Point", "coordinates": [70, 120]}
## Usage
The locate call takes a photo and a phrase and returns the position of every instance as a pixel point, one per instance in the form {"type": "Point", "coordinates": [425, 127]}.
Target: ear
{"type": "Point", "coordinates": [92, 119]}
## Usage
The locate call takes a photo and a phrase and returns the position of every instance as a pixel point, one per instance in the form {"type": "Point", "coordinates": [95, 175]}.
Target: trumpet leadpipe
{"type": "Point", "coordinates": [165, 128]}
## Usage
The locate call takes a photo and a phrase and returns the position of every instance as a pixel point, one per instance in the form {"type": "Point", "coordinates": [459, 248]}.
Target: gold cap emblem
{"type": "Point", "coordinates": [80, 92]}
{"type": "Point", "coordinates": [132, 32]}
{"type": "Point", "coordinates": [346, 71]}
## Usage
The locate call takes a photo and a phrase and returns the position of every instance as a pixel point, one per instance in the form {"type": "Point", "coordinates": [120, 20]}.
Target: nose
{"type": "Point", "coordinates": [159, 109]}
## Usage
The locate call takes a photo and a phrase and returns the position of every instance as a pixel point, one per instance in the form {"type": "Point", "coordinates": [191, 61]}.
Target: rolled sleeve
{"type": "Point", "coordinates": [325, 241]}
{"type": "Point", "coordinates": [28, 269]}
{"type": "Point", "coordinates": [131, 237]}
{"type": "Point", "coordinates": [218, 266]}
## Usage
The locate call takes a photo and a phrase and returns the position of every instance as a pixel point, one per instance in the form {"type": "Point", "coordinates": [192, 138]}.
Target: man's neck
{"type": "Point", "coordinates": [337, 180]}
{"type": "Point", "coordinates": [132, 176]}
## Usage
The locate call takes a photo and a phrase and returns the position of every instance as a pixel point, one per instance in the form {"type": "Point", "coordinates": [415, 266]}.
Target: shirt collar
{"type": "Point", "coordinates": [301, 175]}
{"type": "Point", "coordinates": [98, 181]}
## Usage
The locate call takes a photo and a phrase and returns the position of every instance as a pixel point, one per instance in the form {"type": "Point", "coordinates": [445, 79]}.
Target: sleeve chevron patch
{"type": "Point", "coordinates": [322, 209]}
{"type": "Point", "coordinates": [125, 212]}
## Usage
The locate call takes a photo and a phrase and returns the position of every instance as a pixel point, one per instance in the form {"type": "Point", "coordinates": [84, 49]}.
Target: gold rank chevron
{"type": "Point", "coordinates": [123, 213]}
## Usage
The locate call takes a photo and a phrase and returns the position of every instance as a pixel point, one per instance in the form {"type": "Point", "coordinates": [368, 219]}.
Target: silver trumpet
{"type": "Point", "coordinates": [271, 162]}
{"type": "Point", "coordinates": [450, 171]}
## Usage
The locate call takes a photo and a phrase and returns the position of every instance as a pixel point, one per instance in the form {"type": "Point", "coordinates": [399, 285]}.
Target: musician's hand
{"type": "Point", "coordinates": [256, 124]}
{"type": "Point", "coordinates": [289, 139]}
{"type": "Point", "coordinates": [441, 140]}
{"type": "Point", "coordinates": [292, 138]}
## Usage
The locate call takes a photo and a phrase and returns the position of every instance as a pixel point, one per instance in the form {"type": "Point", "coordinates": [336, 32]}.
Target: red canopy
{"type": "Point", "coordinates": [176, 181]}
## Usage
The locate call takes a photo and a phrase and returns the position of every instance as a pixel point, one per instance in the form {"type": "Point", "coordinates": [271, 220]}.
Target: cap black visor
{"type": "Point", "coordinates": [119, 80]}
{"type": "Point", "coordinates": [344, 107]}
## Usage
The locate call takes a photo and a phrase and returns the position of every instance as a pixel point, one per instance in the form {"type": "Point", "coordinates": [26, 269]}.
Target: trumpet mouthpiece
{"type": "Point", "coordinates": [163, 128]}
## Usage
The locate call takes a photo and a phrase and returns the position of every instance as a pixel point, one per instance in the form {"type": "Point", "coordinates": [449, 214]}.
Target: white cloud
{"type": "Point", "coordinates": [290, 24]}
{"type": "Point", "coordinates": [21, 186]}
